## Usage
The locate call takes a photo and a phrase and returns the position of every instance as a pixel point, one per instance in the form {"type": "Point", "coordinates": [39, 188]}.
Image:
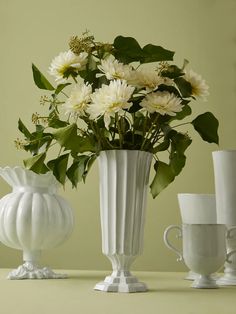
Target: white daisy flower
{"type": "Point", "coordinates": [113, 69]}
{"type": "Point", "coordinates": [110, 99]}
{"type": "Point", "coordinates": [64, 61]}
{"type": "Point", "coordinates": [162, 102]}
{"type": "Point", "coordinates": [147, 78]}
{"type": "Point", "coordinates": [199, 86]}
{"type": "Point", "coordinates": [78, 101]}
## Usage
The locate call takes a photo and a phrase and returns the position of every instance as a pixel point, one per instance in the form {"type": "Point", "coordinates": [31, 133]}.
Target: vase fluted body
{"type": "Point", "coordinates": [225, 189]}
{"type": "Point", "coordinates": [33, 217]}
{"type": "Point", "coordinates": [124, 176]}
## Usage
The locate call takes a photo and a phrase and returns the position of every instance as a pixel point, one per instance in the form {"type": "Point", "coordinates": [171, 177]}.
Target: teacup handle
{"type": "Point", "coordinates": [167, 242]}
{"type": "Point", "coordinates": [230, 231]}
{"type": "Point", "coordinates": [228, 255]}
{"type": "Point", "coordinates": [230, 236]}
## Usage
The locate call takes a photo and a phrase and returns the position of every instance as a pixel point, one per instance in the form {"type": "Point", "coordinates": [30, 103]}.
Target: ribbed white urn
{"type": "Point", "coordinates": [225, 188]}
{"type": "Point", "coordinates": [33, 218]}
{"type": "Point", "coordinates": [124, 176]}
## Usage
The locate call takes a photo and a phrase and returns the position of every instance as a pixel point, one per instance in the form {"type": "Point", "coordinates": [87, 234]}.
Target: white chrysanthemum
{"type": "Point", "coordinates": [199, 86]}
{"type": "Point", "coordinates": [78, 101]}
{"type": "Point", "coordinates": [113, 69]}
{"type": "Point", "coordinates": [162, 102]}
{"type": "Point", "coordinates": [64, 61]}
{"type": "Point", "coordinates": [109, 100]}
{"type": "Point", "coordinates": [147, 78]}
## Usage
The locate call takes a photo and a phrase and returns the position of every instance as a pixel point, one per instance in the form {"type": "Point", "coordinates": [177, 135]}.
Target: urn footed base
{"type": "Point", "coordinates": [31, 271]}
{"type": "Point", "coordinates": [204, 282]}
{"type": "Point", "coordinates": [192, 276]}
{"type": "Point", "coordinates": [125, 283]}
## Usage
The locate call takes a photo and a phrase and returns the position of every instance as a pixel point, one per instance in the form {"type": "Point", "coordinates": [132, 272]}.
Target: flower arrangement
{"type": "Point", "coordinates": [107, 96]}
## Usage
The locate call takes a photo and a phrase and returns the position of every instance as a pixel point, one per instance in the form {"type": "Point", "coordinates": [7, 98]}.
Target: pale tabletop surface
{"type": "Point", "coordinates": [168, 294]}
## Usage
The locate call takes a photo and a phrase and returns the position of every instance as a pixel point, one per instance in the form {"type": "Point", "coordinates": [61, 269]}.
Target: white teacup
{"type": "Point", "coordinates": [197, 209]}
{"type": "Point", "coordinates": [204, 250]}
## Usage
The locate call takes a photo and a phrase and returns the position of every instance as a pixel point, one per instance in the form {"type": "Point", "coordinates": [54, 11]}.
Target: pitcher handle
{"type": "Point", "coordinates": [169, 245]}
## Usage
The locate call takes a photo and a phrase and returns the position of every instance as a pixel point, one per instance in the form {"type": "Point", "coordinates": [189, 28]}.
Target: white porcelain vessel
{"type": "Point", "coordinates": [33, 218]}
{"type": "Point", "coordinates": [197, 209]}
{"type": "Point", "coordinates": [204, 250]}
{"type": "Point", "coordinates": [224, 162]}
{"type": "Point", "coordinates": [124, 176]}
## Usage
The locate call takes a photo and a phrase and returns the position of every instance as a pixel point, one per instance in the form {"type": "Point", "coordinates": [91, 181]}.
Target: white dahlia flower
{"type": "Point", "coordinates": [65, 61]}
{"type": "Point", "coordinates": [113, 69]}
{"type": "Point", "coordinates": [199, 86]}
{"type": "Point", "coordinates": [147, 78]}
{"type": "Point", "coordinates": [110, 99]}
{"type": "Point", "coordinates": [78, 101]}
{"type": "Point", "coordinates": [162, 102]}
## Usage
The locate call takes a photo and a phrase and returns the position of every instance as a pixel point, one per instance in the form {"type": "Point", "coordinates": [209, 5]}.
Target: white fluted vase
{"type": "Point", "coordinates": [33, 218]}
{"type": "Point", "coordinates": [124, 176]}
{"type": "Point", "coordinates": [224, 162]}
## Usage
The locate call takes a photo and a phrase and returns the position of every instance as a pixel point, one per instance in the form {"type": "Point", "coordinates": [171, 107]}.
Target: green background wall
{"type": "Point", "coordinates": [202, 31]}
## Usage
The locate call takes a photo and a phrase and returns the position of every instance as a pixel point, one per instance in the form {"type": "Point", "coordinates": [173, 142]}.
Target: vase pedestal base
{"type": "Point", "coordinates": [126, 284]}
{"type": "Point", "coordinates": [31, 271]}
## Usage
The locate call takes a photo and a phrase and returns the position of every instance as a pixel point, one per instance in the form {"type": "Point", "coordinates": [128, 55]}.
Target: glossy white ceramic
{"type": "Point", "coordinates": [224, 162]}
{"type": "Point", "coordinates": [204, 250]}
{"type": "Point", "coordinates": [124, 176]}
{"type": "Point", "coordinates": [197, 208]}
{"type": "Point", "coordinates": [33, 218]}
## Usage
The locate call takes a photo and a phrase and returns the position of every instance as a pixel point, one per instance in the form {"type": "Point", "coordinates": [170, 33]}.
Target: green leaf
{"type": "Point", "coordinates": [184, 86]}
{"type": "Point", "coordinates": [163, 177]}
{"type": "Point", "coordinates": [73, 174]}
{"type": "Point", "coordinates": [40, 80]}
{"type": "Point", "coordinates": [56, 123]}
{"type": "Point", "coordinates": [127, 49]}
{"type": "Point", "coordinates": [90, 77]}
{"type": "Point", "coordinates": [37, 140]}
{"type": "Point", "coordinates": [135, 106]}
{"type": "Point", "coordinates": [59, 167]}
{"type": "Point", "coordinates": [172, 72]}
{"type": "Point", "coordinates": [186, 111]}
{"type": "Point", "coordinates": [177, 162]}
{"type": "Point", "coordinates": [207, 125]}
{"type": "Point", "coordinates": [67, 137]}
{"type": "Point", "coordinates": [80, 168]}
{"type": "Point", "coordinates": [168, 88]}
{"type": "Point", "coordinates": [36, 163]}
{"type": "Point", "coordinates": [39, 128]}
{"type": "Point", "coordinates": [154, 53]}
{"type": "Point", "coordinates": [179, 143]}
{"type": "Point", "coordinates": [77, 170]}
{"type": "Point", "coordinates": [23, 129]}
{"type": "Point", "coordinates": [89, 165]}
{"type": "Point", "coordinates": [60, 87]}
{"type": "Point", "coordinates": [162, 146]}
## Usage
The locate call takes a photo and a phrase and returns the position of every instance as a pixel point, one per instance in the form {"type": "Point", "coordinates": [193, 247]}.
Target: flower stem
{"type": "Point", "coordinates": [119, 131]}
{"type": "Point", "coordinates": [149, 132]}
{"type": "Point", "coordinates": [175, 126]}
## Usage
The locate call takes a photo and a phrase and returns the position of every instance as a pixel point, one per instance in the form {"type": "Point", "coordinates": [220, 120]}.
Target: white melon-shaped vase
{"type": "Point", "coordinates": [124, 176]}
{"type": "Point", "coordinates": [33, 218]}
